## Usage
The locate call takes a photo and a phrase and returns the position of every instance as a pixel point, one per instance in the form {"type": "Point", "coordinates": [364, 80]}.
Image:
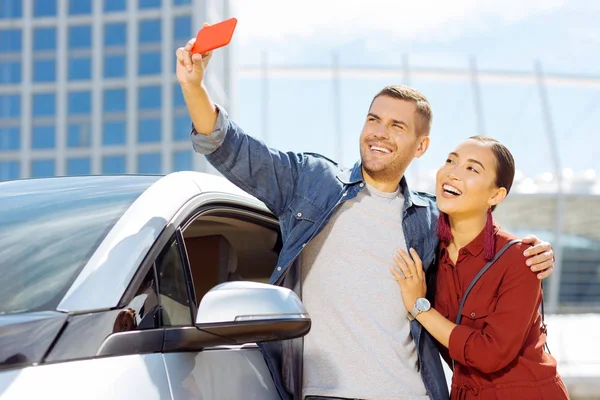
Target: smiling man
{"type": "Point", "coordinates": [345, 224]}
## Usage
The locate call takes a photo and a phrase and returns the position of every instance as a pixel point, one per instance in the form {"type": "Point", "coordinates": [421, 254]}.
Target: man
{"type": "Point", "coordinates": [346, 224]}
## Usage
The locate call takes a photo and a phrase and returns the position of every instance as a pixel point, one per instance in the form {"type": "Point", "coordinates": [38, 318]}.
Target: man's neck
{"type": "Point", "coordinates": [383, 184]}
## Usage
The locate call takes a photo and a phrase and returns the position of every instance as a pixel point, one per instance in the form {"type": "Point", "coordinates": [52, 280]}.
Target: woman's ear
{"type": "Point", "coordinates": [497, 197]}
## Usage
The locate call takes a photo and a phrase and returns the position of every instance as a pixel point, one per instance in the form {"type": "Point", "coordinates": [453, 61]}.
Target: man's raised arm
{"type": "Point", "coordinates": [268, 174]}
{"type": "Point", "coordinates": [190, 74]}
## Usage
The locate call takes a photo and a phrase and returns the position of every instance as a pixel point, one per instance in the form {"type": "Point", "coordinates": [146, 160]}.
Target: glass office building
{"type": "Point", "coordinates": [89, 86]}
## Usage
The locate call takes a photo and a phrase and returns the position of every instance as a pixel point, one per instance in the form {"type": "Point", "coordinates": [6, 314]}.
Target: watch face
{"type": "Point", "coordinates": [423, 304]}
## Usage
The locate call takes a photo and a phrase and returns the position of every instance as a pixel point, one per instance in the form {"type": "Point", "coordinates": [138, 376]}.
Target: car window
{"type": "Point", "coordinates": [173, 293]}
{"type": "Point", "coordinates": [50, 229]}
{"type": "Point", "coordinates": [143, 311]}
{"type": "Point", "coordinates": [228, 246]}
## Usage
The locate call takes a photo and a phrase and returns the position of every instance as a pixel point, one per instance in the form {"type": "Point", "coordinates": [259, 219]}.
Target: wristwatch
{"type": "Point", "coordinates": [421, 305]}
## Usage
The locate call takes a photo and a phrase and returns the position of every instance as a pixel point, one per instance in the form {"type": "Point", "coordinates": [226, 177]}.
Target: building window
{"type": "Point", "coordinates": [144, 4]}
{"type": "Point", "coordinates": [149, 130]}
{"type": "Point", "coordinates": [182, 28]}
{"type": "Point", "coordinates": [115, 34]}
{"type": "Point", "coordinates": [44, 104]}
{"type": "Point", "coordinates": [178, 100]}
{"type": "Point", "coordinates": [11, 9]}
{"type": "Point", "coordinates": [182, 160]}
{"type": "Point", "coordinates": [10, 106]}
{"type": "Point", "coordinates": [44, 70]}
{"type": "Point", "coordinates": [115, 66]}
{"type": "Point", "coordinates": [43, 137]}
{"type": "Point", "coordinates": [9, 170]}
{"type": "Point", "coordinates": [149, 63]}
{"type": "Point", "coordinates": [114, 165]}
{"type": "Point", "coordinates": [80, 68]}
{"type": "Point", "coordinates": [42, 168]}
{"type": "Point", "coordinates": [182, 2]}
{"type": "Point", "coordinates": [149, 98]}
{"type": "Point", "coordinates": [80, 103]}
{"type": "Point", "coordinates": [149, 31]}
{"type": "Point", "coordinates": [10, 72]}
{"type": "Point", "coordinates": [80, 37]}
{"type": "Point", "coordinates": [79, 166]}
{"type": "Point", "coordinates": [182, 128]}
{"type": "Point", "coordinates": [78, 7]}
{"type": "Point", "coordinates": [79, 134]}
{"type": "Point", "coordinates": [44, 8]}
{"type": "Point", "coordinates": [10, 138]}
{"type": "Point", "coordinates": [10, 40]}
{"type": "Point", "coordinates": [114, 5]}
{"type": "Point", "coordinates": [149, 163]}
{"type": "Point", "coordinates": [115, 100]}
{"type": "Point", "coordinates": [44, 39]}
{"type": "Point", "coordinates": [114, 133]}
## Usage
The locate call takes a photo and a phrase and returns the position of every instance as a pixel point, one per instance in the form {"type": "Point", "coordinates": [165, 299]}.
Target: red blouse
{"type": "Point", "coordinates": [498, 347]}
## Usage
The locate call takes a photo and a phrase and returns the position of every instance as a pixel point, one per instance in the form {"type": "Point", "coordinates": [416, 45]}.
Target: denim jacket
{"type": "Point", "coordinates": [303, 190]}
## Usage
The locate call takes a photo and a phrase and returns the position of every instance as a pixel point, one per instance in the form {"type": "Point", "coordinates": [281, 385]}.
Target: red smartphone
{"type": "Point", "coordinates": [214, 36]}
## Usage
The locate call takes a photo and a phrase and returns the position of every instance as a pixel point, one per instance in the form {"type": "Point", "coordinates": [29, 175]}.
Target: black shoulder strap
{"type": "Point", "coordinates": [483, 271]}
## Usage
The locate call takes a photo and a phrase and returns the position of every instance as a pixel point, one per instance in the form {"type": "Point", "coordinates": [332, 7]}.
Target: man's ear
{"type": "Point", "coordinates": [424, 141]}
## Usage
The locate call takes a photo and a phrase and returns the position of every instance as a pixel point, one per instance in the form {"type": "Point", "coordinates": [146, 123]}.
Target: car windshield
{"type": "Point", "coordinates": [49, 228]}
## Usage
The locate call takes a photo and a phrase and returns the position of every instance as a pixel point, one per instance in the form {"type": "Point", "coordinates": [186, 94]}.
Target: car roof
{"type": "Point", "coordinates": [107, 274]}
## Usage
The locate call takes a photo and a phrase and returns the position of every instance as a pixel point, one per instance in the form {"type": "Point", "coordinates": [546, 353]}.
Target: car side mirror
{"type": "Point", "coordinates": [247, 312]}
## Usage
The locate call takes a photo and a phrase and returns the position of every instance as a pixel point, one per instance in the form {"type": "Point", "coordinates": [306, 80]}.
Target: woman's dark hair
{"type": "Point", "coordinates": [505, 163]}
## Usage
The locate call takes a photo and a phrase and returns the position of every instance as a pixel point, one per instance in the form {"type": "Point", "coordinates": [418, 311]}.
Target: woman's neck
{"type": "Point", "coordinates": [465, 229]}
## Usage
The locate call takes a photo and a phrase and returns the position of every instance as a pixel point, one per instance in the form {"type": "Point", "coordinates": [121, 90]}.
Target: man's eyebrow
{"type": "Point", "coordinates": [469, 160]}
{"type": "Point", "coordinates": [395, 121]}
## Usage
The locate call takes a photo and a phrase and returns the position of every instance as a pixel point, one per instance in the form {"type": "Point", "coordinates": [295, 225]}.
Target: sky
{"type": "Point", "coordinates": [508, 35]}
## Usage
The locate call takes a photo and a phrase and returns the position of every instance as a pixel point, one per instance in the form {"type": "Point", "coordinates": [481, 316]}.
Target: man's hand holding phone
{"type": "Point", "coordinates": [193, 58]}
{"type": "Point", "coordinates": [192, 61]}
{"type": "Point", "coordinates": [191, 67]}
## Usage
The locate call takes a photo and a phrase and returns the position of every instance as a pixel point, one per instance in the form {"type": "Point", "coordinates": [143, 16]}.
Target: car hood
{"type": "Point", "coordinates": [26, 338]}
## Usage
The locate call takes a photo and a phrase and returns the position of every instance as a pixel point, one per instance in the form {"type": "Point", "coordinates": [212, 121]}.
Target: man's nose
{"type": "Point", "coordinates": [380, 133]}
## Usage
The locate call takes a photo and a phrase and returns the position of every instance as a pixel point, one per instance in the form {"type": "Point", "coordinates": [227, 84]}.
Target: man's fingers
{"type": "Point", "coordinates": [546, 273]}
{"type": "Point", "coordinates": [537, 249]}
{"type": "Point", "coordinates": [540, 258]}
{"type": "Point", "coordinates": [197, 60]}
{"type": "Point", "coordinates": [179, 55]}
{"type": "Point", "coordinates": [541, 266]}
{"type": "Point", "coordinates": [190, 44]}
{"type": "Point", "coordinates": [530, 239]}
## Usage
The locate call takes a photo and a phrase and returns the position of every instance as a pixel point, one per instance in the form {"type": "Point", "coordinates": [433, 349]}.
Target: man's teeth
{"type": "Point", "coordinates": [452, 190]}
{"type": "Point", "coordinates": [381, 149]}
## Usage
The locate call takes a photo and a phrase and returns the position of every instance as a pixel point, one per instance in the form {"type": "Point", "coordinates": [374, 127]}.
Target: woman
{"type": "Point", "coordinates": [496, 349]}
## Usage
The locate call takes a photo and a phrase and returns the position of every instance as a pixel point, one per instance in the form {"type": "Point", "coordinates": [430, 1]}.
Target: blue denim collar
{"type": "Point", "coordinates": [352, 176]}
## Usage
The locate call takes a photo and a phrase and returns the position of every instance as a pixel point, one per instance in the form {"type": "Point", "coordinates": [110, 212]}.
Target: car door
{"type": "Point", "coordinates": [215, 244]}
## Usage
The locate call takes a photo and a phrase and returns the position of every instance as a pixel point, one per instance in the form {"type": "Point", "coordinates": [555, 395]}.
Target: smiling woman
{"type": "Point", "coordinates": [50, 229]}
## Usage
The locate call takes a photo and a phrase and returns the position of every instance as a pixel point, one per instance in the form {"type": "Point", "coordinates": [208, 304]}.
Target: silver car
{"type": "Point", "coordinates": [149, 287]}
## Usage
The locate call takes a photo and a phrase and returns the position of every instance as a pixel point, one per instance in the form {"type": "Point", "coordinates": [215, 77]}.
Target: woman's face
{"type": "Point", "coordinates": [466, 183]}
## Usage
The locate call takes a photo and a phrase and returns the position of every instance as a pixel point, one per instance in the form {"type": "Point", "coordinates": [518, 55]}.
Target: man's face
{"type": "Point", "coordinates": [389, 139]}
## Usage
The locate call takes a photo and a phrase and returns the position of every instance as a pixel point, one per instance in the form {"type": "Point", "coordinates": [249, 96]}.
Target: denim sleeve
{"type": "Point", "coordinates": [267, 174]}
{"type": "Point", "coordinates": [206, 144]}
